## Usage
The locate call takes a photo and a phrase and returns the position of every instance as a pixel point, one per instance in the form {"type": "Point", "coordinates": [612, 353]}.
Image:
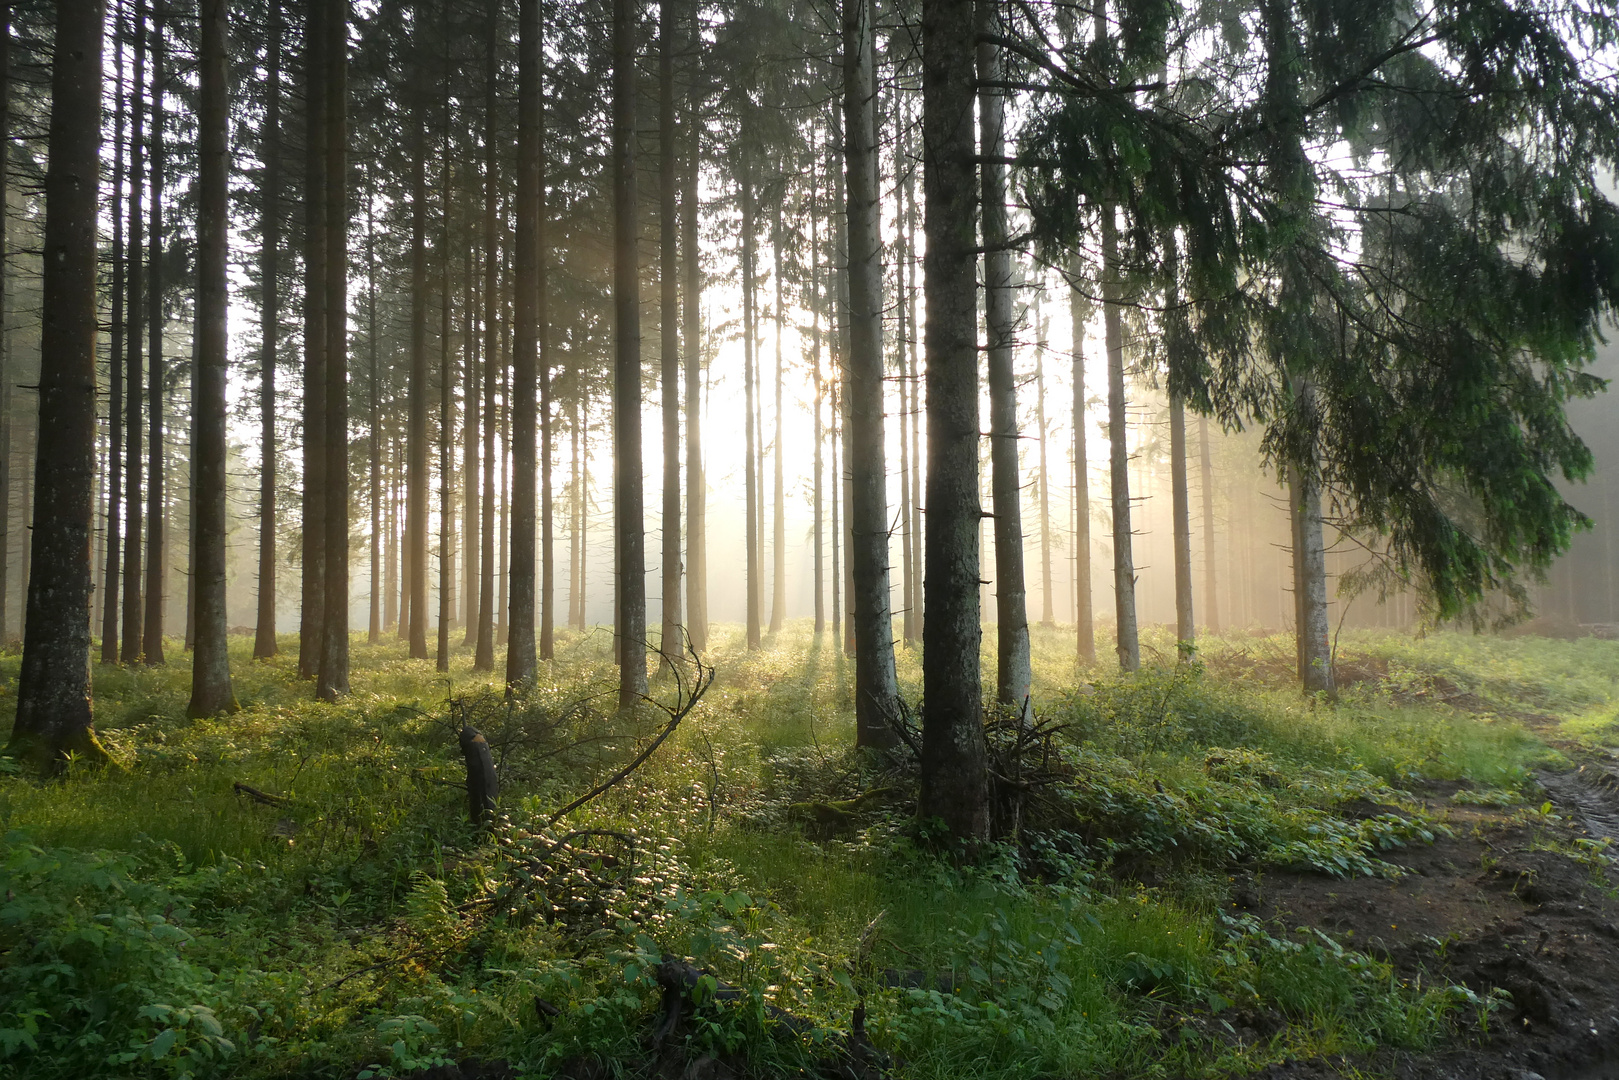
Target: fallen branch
{"type": "Point", "coordinates": [264, 798]}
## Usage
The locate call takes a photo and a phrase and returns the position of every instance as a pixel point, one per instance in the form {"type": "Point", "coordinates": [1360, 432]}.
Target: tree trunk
{"type": "Point", "coordinates": [907, 496]}
{"type": "Point", "coordinates": [156, 519]}
{"type": "Point", "coordinates": [375, 624]}
{"type": "Point", "coordinates": [53, 692]}
{"type": "Point", "coordinates": [576, 617]}
{"type": "Point", "coordinates": [817, 495]}
{"type": "Point", "coordinates": [115, 352]}
{"type": "Point", "coordinates": [484, 653]}
{"type": "Point", "coordinates": [333, 681]}
{"type": "Point", "coordinates": [696, 483]}
{"type": "Point", "coordinates": [1048, 615]}
{"type": "Point", "coordinates": [778, 528]}
{"type": "Point", "coordinates": [835, 434]}
{"type": "Point", "coordinates": [669, 314]}
{"type": "Point", "coordinates": [840, 305]}
{"type": "Point", "coordinates": [416, 433]}
{"type": "Point", "coordinates": [520, 653]}
{"type": "Point", "coordinates": [264, 645]}
{"type": "Point", "coordinates": [471, 457]}
{"type": "Point", "coordinates": [749, 367]}
{"type": "Point", "coordinates": [446, 402]}
{"type": "Point", "coordinates": [1124, 579]}
{"type": "Point", "coordinates": [876, 692]}
{"type": "Point", "coordinates": [1312, 628]}
{"type": "Point", "coordinates": [627, 508]}
{"type": "Point", "coordinates": [1185, 624]}
{"type": "Point", "coordinates": [542, 317]}
{"type": "Point", "coordinates": [914, 377]}
{"type": "Point", "coordinates": [1084, 619]}
{"type": "Point", "coordinates": [311, 623]}
{"type": "Point", "coordinates": [210, 666]}
{"type": "Point", "coordinates": [954, 781]}
{"type": "Point", "coordinates": [1211, 609]}
{"type": "Point", "coordinates": [1013, 672]}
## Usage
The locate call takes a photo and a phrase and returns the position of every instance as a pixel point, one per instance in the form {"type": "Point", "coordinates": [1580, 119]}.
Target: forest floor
{"type": "Point", "coordinates": [1204, 875]}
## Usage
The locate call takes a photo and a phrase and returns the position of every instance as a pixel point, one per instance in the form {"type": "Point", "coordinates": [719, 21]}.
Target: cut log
{"type": "Point", "coordinates": [482, 784]}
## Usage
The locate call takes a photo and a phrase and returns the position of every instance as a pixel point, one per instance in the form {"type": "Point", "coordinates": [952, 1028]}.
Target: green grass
{"type": "Point", "coordinates": [162, 924]}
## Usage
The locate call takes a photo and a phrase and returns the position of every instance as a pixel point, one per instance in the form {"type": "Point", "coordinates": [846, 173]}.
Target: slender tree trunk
{"type": "Point", "coordinates": [840, 290]}
{"type": "Point", "coordinates": [1048, 615]}
{"type": "Point", "coordinates": [817, 497]}
{"type": "Point", "coordinates": [1185, 624]}
{"type": "Point", "coordinates": [1084, 619]}
{"type": "Point", "coordinates": [778, 534]}
{"type": "Point", "coordinates": [835, 412]}
{"type": "Point", "coordinates": [333, 681]}
{"type": "Point", "coordinates": [264, 645]}
{"type": "Point", "coordinates": [542, 317]}
{"type": "Point", "coordinates": [390, 552]}
{"type": "Point", "coordinates": [416, 433]}
{"type": "Point", "coordinates": [484, 653]}
{"type": "Point", "coordinates": [210, 667]}
{"type": "Point", "coordinates": [914, 340]}
{"type": "Point", "coordinates": [749, 368]}
{"type": "Point", "coordinates": [1313, 629]}
{"type": "Point", "coordinates": [902, 327]}
{"type": "Point", "coordinates": [53, 693]}
{"type": "Point", "coordinates": [115, 371]}
{"type": "Point", "coordinates": [627, 507]}
{"type": "Point", "coordinates": [1124, 579]}
{"type": "Point", "coordinates": [504, 568]}
{"type": "Point", "coordinates": [954, 773]}
{"type": "Point", "coordinates": [446, 404]}
{"type": "Point", "coordinates": [584, 507]}
{"type": "Point", "coordinates": [1211, 609]}
{"type": "Point", "coordinates": [375, 624]}
{"type": "Point", "coordinates": [133, 580]}
{"type": "Point", "coordinates": [156, 561]}
{"type": "Point", "coordinates": [669, 315]}
{"type": "Point", "coordinates": [521, 667]}
{"type": "Point", "coordinates": [311, 623]}
{"type": "Point", "coordinates": [1013, 672]}
{"type": "Point", "coordinates": [696, 483]}
{"type": "Point", "coordinates": [576, 617]}
{"type": "Point", "coordinates": [471, 456]}
{"type": "Point", "coordinates": [876, 691]}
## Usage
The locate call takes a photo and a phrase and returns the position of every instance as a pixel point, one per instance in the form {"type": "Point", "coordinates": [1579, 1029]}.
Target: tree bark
{"type": "Point", "coordinates": [1124, 579]}
{"type": "Point", "coordinates": [817, 500]}
{"type": "Point", "coordinates": [375, 624]}
{"type": "Point", "coordinates": [264, 644]}
{"type": "Point", "coordinates": [311, 622]}
{"type": "Point", "coordinates": [484, 651]}
{"type": "Point", "coordinates": [778, 527]}
{"type": "Point", "coordinates": [130, 646]}
{"type": "Point", "coordinates": [954, 773]}
{"type": "Point", "coordinates": [53, 693]}
{"type": "Point", "coordinates": [750, 390]}
{"type": "Point", "coordinates": [876, 691]}
{"type": "Point", "coordinates": [416, 433]}
{"type": "Point", "coordinates": [115, 352]}
{"type": "Point", "coordinates": [1013, 672]}
{"type": "Point", "coordinates": [669, 315]}
{"type": "Point", "coordinates": [696, 482]}
{"type": "Point", "coordinates": [333, 680]}
{"type": "Point", "coordinates": [542, 316]}
{"type": "Point", "coordinates": [627, 507]}
{"type": "Point", "coordinates": [1211, 609]}
{"type": "Point", "coordinates": [156, 519]}
{"type": "Point", "coordinates": [1084, 618]}
{"type": "Point", "coordinates": [211, 692]}
{"type": "Point", "coordinates": [446, 399]}
{"type": "Point", "coordinates": [1048, 615]}
{"type": "Point", "coordinates": [1185, 624]}
{"type": "Point", "coordinates": [521, 666]}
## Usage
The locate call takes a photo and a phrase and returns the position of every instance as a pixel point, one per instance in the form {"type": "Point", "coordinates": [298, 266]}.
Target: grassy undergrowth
{"type": "Point", "coordinates": [160, 920]}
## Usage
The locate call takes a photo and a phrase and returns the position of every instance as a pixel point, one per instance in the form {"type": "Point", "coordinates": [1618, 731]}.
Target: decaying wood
{"type": "Point", "coordinates": [483, 786]}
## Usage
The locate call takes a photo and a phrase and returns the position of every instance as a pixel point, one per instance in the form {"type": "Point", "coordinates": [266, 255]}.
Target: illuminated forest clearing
{"type": "Point", "coordinates": [1402, 877]}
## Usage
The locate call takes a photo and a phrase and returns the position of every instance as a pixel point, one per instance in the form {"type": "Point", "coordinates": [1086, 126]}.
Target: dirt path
{"type": "Point", "coordinates": [1510, 901]}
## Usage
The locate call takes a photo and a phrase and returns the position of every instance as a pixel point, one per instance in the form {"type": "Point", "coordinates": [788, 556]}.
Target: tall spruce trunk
{"type": "Point", "coordinates": [333, 678]}
{"type": "Point", "coordinates": [1048, 603]}
{"type": "Point", "coordinates": [53, 691]}
{"type": "Point", "coordinates": [311, 622]}
{"type": "Point", "coordinates": [817, 496]}
{"type": "Point", "coordinates": [691, 321]}
{"type": "Point", "coordinates": [374, 624]}
{"type": "Point", "coordinates": [1211, 608]}
{"type": "Point", "coordinates": [115, 351]}
{"type": "Point", "coordinates": [210, 666]}
{"type": "Point", "coordinates": [876, 692]}
{"type": "Point", "coordinates": [750, 467]}
{"type": "Point", "coordinates": [484, 649]}
{"type": "Point", "coordinates": [416, 432]}
{"type": "Point", "coordinates": [1313, 628]}
{"type": "Point", "coordinates": [156, 519]}
{"type": "Point", "coordinates": [471, 455]}
{"type": "Point", "coordinates": [446, 407]}
{"type": "Point", "coordinates": [778, 509]}
{"type": "Point", "coordinates": [542, 317]}
{"type": "Point", "coordinates": [264, 645]}
{"type": "Point", "coordinates": [668, 318]}
{"type": "Point", "coordinates": [129, 650]}
{"type": "Point", "coordinates": [1127, 644]}
{"type": "Point", "coordinates": [954, 766]}
{"type": "Point", "coordinates": [1013, 674]}
{"type": "Point", "coordinates": [840, 353]}
{"type": "Point", "coordinates": [914, 377]}
{"type": "Point", "coordinates": [521, 664]}
{"type": "Point", "coordinates": [1084, 618]}
{"type": "Point", "coordinates": [627, 506]}
{"type": "Point", "coordinates": [1185, 624]}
